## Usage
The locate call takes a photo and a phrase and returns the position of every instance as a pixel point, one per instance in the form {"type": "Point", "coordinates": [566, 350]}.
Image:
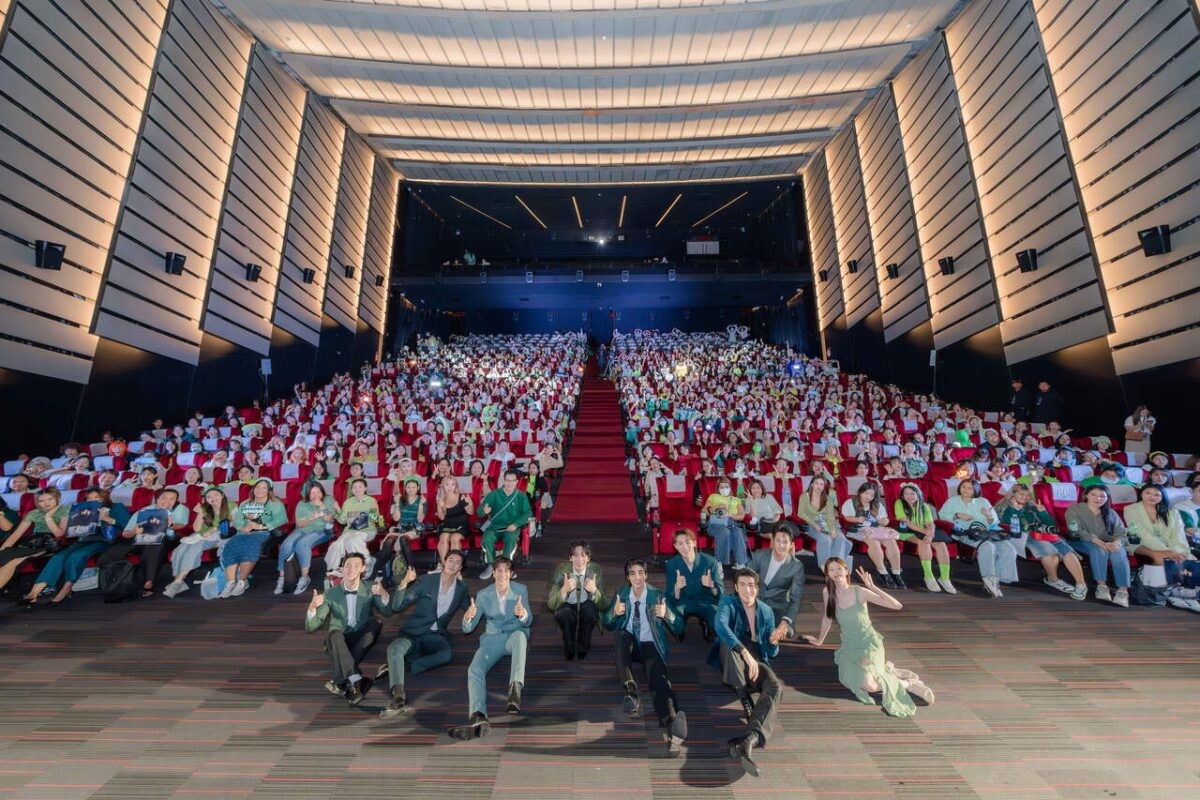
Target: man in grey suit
{"type": "Point", "coordinates": [782, 577]}
{"type": "Point", "coordinates": [424, 640]}
{"type": "Point", "coordinates": [505, 607]}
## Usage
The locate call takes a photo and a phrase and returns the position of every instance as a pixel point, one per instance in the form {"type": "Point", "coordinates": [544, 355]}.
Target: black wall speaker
{"type": "Point", "coordinates": [252, 272]}
{"type": "Point", "coordinates": [822, 275]}
{"type": "Point", "coordinates": [175, 262]}
{"type": "Point", "coordinates": [48, 255]}
{"type": "Point", "coordinates": [893, 271]}
{"type": "Point", "coordinates": [349, 269]}
{"type": "Point", "coordinates": [308, 275]}
{"type": "Point", "coordinates": [947, 265]}
{"type": "Point", "coordinates": [852, 266]}
{"type": "Point", "coordinates": [1156, 241]}
{"type": "Point", "coordinates": [379, 280]}
{"type": "Point", "coordinates": [1027, 260]}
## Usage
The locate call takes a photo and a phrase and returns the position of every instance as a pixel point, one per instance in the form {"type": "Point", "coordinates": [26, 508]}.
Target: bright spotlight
{"type": "Point", "coordinates": [601, 242]}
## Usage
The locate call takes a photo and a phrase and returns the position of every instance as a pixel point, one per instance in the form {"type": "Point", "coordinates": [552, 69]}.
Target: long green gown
{"type": "Point", "coordinates": [861, 641]}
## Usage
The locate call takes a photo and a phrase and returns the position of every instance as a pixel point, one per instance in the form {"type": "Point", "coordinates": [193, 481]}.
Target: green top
{"type": "Point", "coordinates": [554, 598]}
{"type": "Point", "coordinates": [37, 518]}
{"type": "Point", "coordinates": [1163, 534]}
{"type": "Point", "coordinates": [274, 515]}
{"type": "Point", "coordinates": [306, 509]}
{"type": "Point", "coordinates": [357, 505]}
{"type": "Point", "coordinates": [1027, 517]}
{"type": "Point", "coordinates": [806, 511]}
{"type": "Point", "coordinates": [923, 517]}
{"type": "Point", "coordinates": [505, 510]}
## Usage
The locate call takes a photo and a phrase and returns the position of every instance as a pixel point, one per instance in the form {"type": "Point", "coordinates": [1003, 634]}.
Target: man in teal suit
{"type": "Point", "coordinates": [424, 640]}
{"type": "Point", "coordinates": [353, 629]}
{"type": "Point", "coordinates": [694, 583]}
{"type": "Point", "coordinates": [641, 616]}
{"type": "Point", "coordinates": [505, 607]}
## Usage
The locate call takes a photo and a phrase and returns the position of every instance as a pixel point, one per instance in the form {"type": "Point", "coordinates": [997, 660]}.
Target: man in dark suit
{"type": "Point", "coordinates": [747, 640]}
{"type": "Point", "coordinates": [576, 599]}
{"type": "Point", "coordinates": [1048, 405]}
{"type": "Point", "coordinates": [782, 576]}
{"type": "Point", "coordinates": [641, 616]}
{"type": "Point", "coordinates": [353, 629]}
{"type": "Point", "coordinates": [1020, 402]}
{"type": "Point", "coordinates": [694, 582]}
{"type": "Point", "coordinates": [424, 641]}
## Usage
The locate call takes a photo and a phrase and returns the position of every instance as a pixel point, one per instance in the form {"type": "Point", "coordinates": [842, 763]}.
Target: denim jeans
{"type": "Point", "coordinates": [830, 547]}
{"type": "Point", "coordinates": [301, 544]}
{"type": "Point", "coordinates": [728, 535]}
{"type": "Point", "coordinates": [1100, 560]}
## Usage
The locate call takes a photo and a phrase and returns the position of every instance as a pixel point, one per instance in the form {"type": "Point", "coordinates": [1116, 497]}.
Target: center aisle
{"type": "Point", "coordinates": [595, 485]}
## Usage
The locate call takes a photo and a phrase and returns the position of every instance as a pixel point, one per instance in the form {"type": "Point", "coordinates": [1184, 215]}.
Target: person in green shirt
{"type": "Point", "coordinates": [68, 564]}
{"type": "Point", "coordinates": [361, 517]}
{"type": "Point", "coordinates": [1026, 517]}
{"type": "Point", "coordinates": [42, 529]}
{"type": "Point", "coordinates": [315, 515]}
{"type": "Point", "coordinates": [725, 511]}
{"type": "Point", "coordinates": [254, 520]}
{"type": "Point", "coordinates": [507, 511]}
{"type": "Point", "coordinates": [915, 520]}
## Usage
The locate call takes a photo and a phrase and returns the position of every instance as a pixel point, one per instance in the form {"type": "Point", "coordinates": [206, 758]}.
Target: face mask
{"type": "Point", "coordinates": [724, 491]}
{"type": "Point", "coordinates": [939, 424]}
{"type": "Point", "coordinates": [1107, 480]}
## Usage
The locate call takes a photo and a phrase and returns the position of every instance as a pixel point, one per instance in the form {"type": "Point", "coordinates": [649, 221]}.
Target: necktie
{"type": "Point", "coordinates": [637, 620]}
{"type": "Point", "coordinates": [579, 590]}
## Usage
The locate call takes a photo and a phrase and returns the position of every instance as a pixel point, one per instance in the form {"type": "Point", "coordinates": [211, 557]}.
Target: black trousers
{"type": "Point", "coordinates": [629, 652]}
{"type": "Point", "coordinates": [151, 557]}
{"type": "Point", "coordinates": [387, 553]}
{"type": "Point", "coordinates": [577, 624]}
{"type": "Point", "coordinates": [733, 674]}
{"type": "Point", "coordinates": [347, 649]}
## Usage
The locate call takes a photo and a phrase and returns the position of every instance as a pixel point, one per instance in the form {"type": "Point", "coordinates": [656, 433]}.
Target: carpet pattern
{"type": "Point", "coordinates": [1038, 696]}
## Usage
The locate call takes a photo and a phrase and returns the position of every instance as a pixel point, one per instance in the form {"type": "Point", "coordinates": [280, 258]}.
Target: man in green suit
{"type": "Point", "coordinates": [642, 616]}
{"type": "Point", "coordinates": [353, 629]}
{"type": "Point", "coordinates": [508, 512]}
{"type": "Point", "coordinates": [576, 599]}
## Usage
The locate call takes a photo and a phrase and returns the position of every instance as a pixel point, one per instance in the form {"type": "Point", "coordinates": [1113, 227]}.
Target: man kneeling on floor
{"type": "Point", "coordinates": [424, 641]}
{"type": "Point", "coordinates": [505, 607]}
{"type": "Point", "coordinates": [353, 629]}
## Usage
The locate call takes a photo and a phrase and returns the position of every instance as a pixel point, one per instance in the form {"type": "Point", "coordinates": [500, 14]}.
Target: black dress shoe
{"type": "Point", "coordinates": [581, 654]}
{"type": "Point", "coordinates": [743, 750]}
{"type": "Point", "coordinates": [334, 689]}
{"type": "Point", "coordinates": [514, 699]}
{"type": "Point", "coordinates": [569, 653]}
{"type": "Point", "coordinates": [707, 632]}
{"type": "Point", "coordinates": [884, 579]}
{"type": "Point", "coordinates": [899, 579]}
{"type": "Point", "coordinates": [476, 728]}
{"type": "Point", "coordinates": [358, 690]}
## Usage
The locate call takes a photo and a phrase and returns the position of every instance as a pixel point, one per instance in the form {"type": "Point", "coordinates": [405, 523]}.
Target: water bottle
{"type": "Point", "coordinates": [1132, 534]}
{"type": "Point", "coordinates": [1014, 523]}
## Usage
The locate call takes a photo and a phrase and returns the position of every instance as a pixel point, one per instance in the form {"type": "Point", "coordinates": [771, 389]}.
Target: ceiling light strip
{"type": "Point", "coordinates": [482, 213]}
{"type": "Point", "coordinates": [530, 210]}
{"type": "Point", "coordinates": [668, 211]}
{"type": "Point", "coordinates": [621, 217]}
{"type": "Point", "coordinates": [719, 210]}
{"type": "Point", "coordinates": [578, 216]}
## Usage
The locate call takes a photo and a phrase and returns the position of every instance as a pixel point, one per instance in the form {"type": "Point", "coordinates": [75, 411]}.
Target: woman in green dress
{"type": "Point", "coordinates": [862, 667]}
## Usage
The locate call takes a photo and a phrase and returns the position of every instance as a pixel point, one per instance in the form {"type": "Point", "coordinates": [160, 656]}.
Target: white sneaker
{"type": "Point", "coordinates": [1102, 593]}
{"type": "Point", "coordinates": [487, 573]}
{"type": "Point", "coordinates": [279, 585]}
{"type": "Point", "coordinates": [922, 691]}
{"type": "Point", "coordinates": [1079, 592]}
{"type": "Point", "coordinates": [1059, 584]}
{"type": "Point", "coordinates": [993, 586]}
{"type": "Point", "coordinates": [932, 585]}
{"type": "Point", "coordinates": [1184, 603]}
{"type": "Point", "coordinates": [947, 586]}
{"type": "Point", "coordinates": [228, 590]}
{"type": "Point", "coordinates": [239, 588]}
{"type": "Point", "coordinates": [182, 587]}
{"type": "Point", "coordinates": [172, 588]}
{"type": "Point", "coordinates": [302, 585]}
{"type": "Point", "coordinates": [1121, 598]}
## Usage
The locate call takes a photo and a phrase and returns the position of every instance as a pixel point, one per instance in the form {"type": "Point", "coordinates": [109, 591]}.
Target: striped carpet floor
{"type": "Point", "coordinates": [1038, 697]}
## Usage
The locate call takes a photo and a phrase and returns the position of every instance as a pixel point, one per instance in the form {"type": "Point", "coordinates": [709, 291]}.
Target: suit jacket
{"type": "Point", "coordinates": [694, 591]}
{"type": "Point", "coordinates": [785, 589]}
{"type": "Point", "coordinates": [554, 597]}
{"type": "Point", "coordinates": [422, 596]}
{"type": "Point", "coordinates": [733, 629]}
{"type": "Point", "coordinates": [333, 610]}
{"type": "Point", "coordinates": [487, 607]}
{"type": "Point", "coordinates": [658, 627]}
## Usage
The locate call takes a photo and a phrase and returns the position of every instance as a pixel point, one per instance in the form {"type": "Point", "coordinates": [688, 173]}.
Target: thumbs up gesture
{"type": "Point", "coordinates": [409, 577]}
{"type": "Point", "coordinates": [589, 584]}
{"type": "Point", "coordinates": [680, 583]}
{"type": "Point", "coordinates": [706, 580]}
{"type": "Point", "coordinates": [618, 607]}
{"type": "Point", "coordinates": [660, 608]}
{"type": "Point", "coordinates": [519, 608]}
{"type": "Point", "coordinates": [317, 601]}
{"type": "Point", "coordinates": [569, 585]}
{"type": "Point", "coordinates": [471, 612]}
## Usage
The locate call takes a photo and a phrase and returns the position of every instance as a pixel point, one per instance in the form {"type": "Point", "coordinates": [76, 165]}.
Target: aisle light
{"type": "Point", "coordinates": [578, 217]}
{"type": "Point", "coordinates": [621, 216]}
{"type": "Point", "coordinates": [668, 211]}
{"type": "Point", "coordinates": [719, 210]}
{"type": "Point", "coordinates": [530, 210]}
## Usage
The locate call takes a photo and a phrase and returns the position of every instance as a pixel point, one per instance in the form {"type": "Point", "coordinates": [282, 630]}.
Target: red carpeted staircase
{"type": "Point", "coordinates": [595, 485]}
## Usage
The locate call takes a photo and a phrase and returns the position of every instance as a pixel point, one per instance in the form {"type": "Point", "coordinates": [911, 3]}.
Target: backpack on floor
{"type": "Point", "coordinates": [118, 581]}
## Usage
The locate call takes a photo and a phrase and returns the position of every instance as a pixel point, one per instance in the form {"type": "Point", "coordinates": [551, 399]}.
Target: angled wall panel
{"type": "Point", "coordinates": [349, 232]}
{"type": "Point", "coordinates": [1127, 76]}
{"type": "Point", "coordinates": [860, 289]}
{"type": "Point", "coordinates": [1027, 191]}
{"type": "Point", "coordinates": [310, 223]}
{"type": "Point", "coordinates": [890, 211]}
{"type": "Point", "coordinates": [822, 242]}
{"type": "Point", "coordinates": [377, 257]}
{"type": "Point", "coordinates": [73, 83]}
{"type": "Point", "coordinates": [173, 201]}
{"type": "Point", "coordinates": [256, 206]}
{"type": "Point", "coordinates": [945, 205]}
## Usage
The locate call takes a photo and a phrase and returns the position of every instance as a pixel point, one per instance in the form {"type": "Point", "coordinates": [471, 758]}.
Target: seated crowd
{"type": "Point", "coordinates": [420, 448]}
{"type": "Point", "coordinates": [744, 439]}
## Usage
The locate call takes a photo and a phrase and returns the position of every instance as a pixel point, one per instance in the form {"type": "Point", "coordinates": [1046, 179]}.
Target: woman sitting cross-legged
{"type": "Point", "coordinates": [868, 520]}
{"type": "Point", "coordinates": [1028, 518]}
{"type": "Point", "coordinates": [68, 564]}
{"type": "Point", "coordinates": [315, 515]}
{"type": "Point", "coordinates": [39, 533]}
{"type": "Point", "coordinates": [211, 520]}
{"type": "Point", "coordinates": [361, 518]}
{"type": "Point", "coordinates": [254, 521]}
{"type": "Point", "coordinates": [915, 520]}
{"type": "Point", "coordinates": [976, 524]}
{"type": "Point", "coordinates": [409, 512]}
{"type": "Point", "coordinates": [453, 511]}
{"type": "Point", "coordinates": [861, 661]}
{"type": "Point", "coordinates": [150, 553]}
{"type": "Point", "coordinates": [1095, 530]}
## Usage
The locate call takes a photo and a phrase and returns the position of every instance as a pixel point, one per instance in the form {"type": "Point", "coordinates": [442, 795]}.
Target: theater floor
{"type": "Point", "coordinates": [1038, 696]}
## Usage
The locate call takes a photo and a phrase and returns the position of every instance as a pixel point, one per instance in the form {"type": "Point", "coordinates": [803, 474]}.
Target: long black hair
{"type": "Point", "coordinates": [831, 587]}
{"type": "Point", "coordinates": [1107, 513]}
{"type": "Point", "coordinates": [1162, 508]}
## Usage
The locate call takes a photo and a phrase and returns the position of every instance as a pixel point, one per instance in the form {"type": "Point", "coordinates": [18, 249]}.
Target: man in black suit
{"type": "Point", "coordinates": [1021, 401]}
{"type": "Point", "coordinates": [423, 640]}
{"type": "Point", "coordinates": [782, 577]}
{"type": "Point", "coordinates": [1048, 405]}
